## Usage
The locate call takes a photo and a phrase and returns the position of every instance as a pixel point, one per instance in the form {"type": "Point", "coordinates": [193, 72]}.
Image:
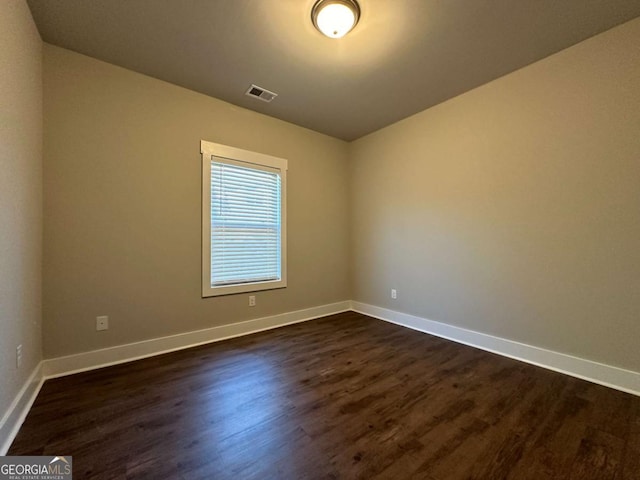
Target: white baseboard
{"type": "Point", "coordinates": [17, 412]}
{"type": "Point", "coordinates": [613, 377]}
{"type": "Point", "coordinates": [61, 366]}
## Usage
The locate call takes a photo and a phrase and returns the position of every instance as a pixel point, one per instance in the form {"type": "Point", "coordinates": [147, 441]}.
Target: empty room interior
{"type": "Point", "coordinates": [305, 239]}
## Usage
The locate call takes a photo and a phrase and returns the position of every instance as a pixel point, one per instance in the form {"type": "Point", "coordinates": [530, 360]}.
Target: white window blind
{"type": "Point", "coordinates": [244, 220]}
{"type": "Point", "coordinates": [245, 224]}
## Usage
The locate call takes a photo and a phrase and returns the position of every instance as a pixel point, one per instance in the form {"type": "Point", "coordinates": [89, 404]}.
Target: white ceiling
{"type": "Point", "coordinates": [402, 57]}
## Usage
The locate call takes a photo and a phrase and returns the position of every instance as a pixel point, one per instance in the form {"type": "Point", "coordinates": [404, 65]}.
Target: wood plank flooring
{"type": "Point", "coordinates": [345, 397]}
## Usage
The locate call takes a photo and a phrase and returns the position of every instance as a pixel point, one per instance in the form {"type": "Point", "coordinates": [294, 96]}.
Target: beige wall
{"type": "Point", "coordinates": [514, 209]}
{"type": "Point", "coordinates": [511, 210]}
{"type": "Point", "coordinates": [122, 207]}
{"type": "Point", "coordinates": [20, 196]}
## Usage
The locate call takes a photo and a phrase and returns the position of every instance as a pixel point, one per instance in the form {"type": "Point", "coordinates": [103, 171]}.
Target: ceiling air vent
{"type": "Point", "coordinates": [260, 93]}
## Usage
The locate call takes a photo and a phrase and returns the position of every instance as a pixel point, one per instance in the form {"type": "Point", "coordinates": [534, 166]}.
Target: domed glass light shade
{"type": "Point", "coordinates": [335, 18]}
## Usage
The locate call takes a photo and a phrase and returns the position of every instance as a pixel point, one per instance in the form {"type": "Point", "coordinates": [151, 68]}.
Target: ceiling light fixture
{"type": "Point", "coordinates": [335, 18]}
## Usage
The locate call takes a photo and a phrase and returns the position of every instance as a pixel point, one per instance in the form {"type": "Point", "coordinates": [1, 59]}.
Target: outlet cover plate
{"type": "Point", "coordinates": [102, 323]}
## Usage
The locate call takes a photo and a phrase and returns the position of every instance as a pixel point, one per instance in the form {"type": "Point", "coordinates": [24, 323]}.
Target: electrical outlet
{"type": "Point", "coordinates": [252, 300]}
{"type": "Point", "coordinates": [18, 356]}
{"type": "Point", "coordinates": [394, 293]}
{"type": "Point", "coordinates": [102, 323]}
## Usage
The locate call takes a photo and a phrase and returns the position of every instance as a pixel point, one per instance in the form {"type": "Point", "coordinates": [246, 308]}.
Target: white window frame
{"type": "Point", "coordinates": [252, 159]}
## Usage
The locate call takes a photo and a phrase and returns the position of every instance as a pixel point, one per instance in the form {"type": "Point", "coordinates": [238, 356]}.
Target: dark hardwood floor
{"type": "Point", "coordinates": [342, 397]}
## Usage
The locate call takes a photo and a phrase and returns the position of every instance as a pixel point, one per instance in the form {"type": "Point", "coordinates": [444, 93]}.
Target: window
{"type": "Point", "coordinates": [243, 221]}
